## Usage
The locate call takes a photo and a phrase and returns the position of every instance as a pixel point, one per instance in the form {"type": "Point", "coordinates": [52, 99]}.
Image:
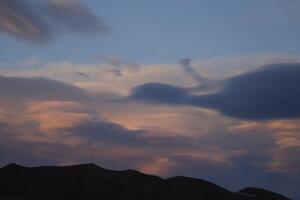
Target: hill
{"type": "Point", "coordinates": [91, 182]}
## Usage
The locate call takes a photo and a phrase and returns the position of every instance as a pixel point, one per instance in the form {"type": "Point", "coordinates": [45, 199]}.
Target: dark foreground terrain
{"type": "Point", "coordinates": [89, 181]}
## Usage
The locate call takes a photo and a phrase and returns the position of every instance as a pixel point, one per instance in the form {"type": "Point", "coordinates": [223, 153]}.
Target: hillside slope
{"type": "Point", "coordinates": [91, 182]}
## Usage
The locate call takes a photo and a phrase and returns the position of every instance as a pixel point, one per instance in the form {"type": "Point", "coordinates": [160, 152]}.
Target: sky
{"type": "Point", "coordinates": [208, 89]}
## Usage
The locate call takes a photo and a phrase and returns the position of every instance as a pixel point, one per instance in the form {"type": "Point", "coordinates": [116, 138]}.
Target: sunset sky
{"type": "Point", "coordinates": [201, 88]}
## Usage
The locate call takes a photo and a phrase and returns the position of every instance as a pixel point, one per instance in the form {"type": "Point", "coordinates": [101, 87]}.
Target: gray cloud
{"type": "Point", "coordinates": [18, 89]}
{"type": "Point", "coordinates": [204, 84]}
{"type": "Point", "coordinates": [285, 159]}
{"type": "Point", "coordinates": [73, 16]}
{"type": "Point", "coordinates": [269, 93]}
{"type": "Point", "coordinates": [159, 93]}
{"type": "Point", "coordinates": [17, 18]}
{"type": "Point", "coordinates": [108, 132]}
{"type": "Point", "coordinates": [40, 21]}
{"type": "Point", "coordinates": [186, 65]}
{"type": "Point", "coordinates": [82, 74]}
{"type": "Point", "coordinates": [272, 92]}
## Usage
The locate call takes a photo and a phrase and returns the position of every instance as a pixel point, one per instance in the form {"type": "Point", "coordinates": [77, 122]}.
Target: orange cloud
{"type": "Point", "coordinates": [51, 115]}
{"type": "Point", "coordinates": [158, 166]}
{"type": "Point", "coordinates": [59, 120]}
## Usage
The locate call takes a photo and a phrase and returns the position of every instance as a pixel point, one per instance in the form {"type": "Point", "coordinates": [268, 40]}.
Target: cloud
{"type": "Point", "coordinates": [73, 16]}
{"type": "Point", "coordinates": [17, 18]}
{"type": "Point", "coordinates": [118, 66]}
{"type": "Point", "coordinates": [271, 92]}
{"type": "Point", "coordinates": [40, 21]}
{"type": "Point", "coordinates": [83, 75]}
{"type": "Point", "coordinates": [53, 115]}
{"type": "Point", "coordinates": [132, 75]}
{"type": "Point", "coordinates": [116, 61]}
{"type": "Point", "coordinates": [204, 84]}
{"type": "Point", "coordinates": [17, 89]}
{"type": "Point", "coordinates": [114, 72]}
{"type": "Point", "coordinates": [59, 125]}
{"type": "Point", "coordinates": [105, 131]}
{"type": "Point", "coordinates": [237, 65]}
{"type": "Point", "coordinates": [186, 65]}
{"type": "Point", "coordinates": [284, 156]}
{"type": "Point", "coordinates": [285, 160]}
{"type": "Point", "coordinates": [159, 93]}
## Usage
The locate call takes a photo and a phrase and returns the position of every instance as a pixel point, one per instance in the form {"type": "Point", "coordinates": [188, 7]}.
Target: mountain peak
{"type": "Point", "coordinates": [13, 166]}
{"type": "Point", "coordinates": [91, 181]}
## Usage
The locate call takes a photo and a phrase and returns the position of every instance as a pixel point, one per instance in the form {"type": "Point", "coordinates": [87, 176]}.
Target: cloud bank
{"type": "Point", "coordinates": [272, 92]}
{"type": "Point", "coordinates": [17, 89]}
{"type": "Point", "coordinates": [62, 123]}
{"type": "Point", "coordinates": [58, 123]}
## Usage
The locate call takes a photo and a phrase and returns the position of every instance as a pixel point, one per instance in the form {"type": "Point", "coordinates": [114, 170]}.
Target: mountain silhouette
{"type": "Point", "coordinates": [91, 182]}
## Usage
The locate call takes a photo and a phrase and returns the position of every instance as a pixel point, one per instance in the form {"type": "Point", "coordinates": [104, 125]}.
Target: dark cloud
{"type": "Point", "coordinates": [17, 18]}
{"type": "Point", "coordinates": [186, 65]}
{"type": "Point", "coordinates": [108, 132]}
{"type": "Point", "coordinates": [204, 85]}
{"type": "Point", "coordinates": [40, 21]}
{"type": "Point", "coordinates": [159, 93]}
{"type": "Point", "coordinates": [18, 89]}
{"type": "Point", "coordinates": [269, 93]}
{"type": "Point", "coordinates": [83, 75]}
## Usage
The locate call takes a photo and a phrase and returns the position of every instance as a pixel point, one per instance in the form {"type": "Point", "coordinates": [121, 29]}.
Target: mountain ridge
{"type": "Point", "coordinates": [90, 181]}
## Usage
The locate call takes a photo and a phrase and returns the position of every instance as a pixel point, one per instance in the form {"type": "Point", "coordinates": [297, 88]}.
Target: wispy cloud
{"type": "Point", "coordinates": [73, 16]}
{"type": "Point", "coordinates": [186, 65]}
{"type": "Point", "coordinates": [18, 19]}
{"type": "Point", "coordinates": [41, 21]}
